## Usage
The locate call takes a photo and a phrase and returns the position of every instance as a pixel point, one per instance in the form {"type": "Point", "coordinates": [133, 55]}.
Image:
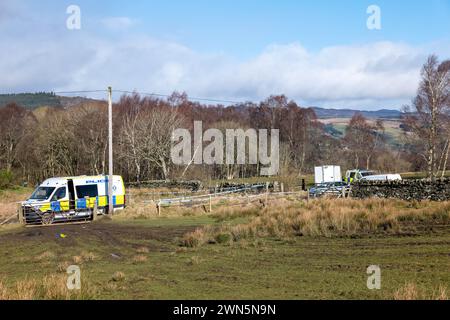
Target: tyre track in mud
{"type": "Point", "coordinates": [103, 233]}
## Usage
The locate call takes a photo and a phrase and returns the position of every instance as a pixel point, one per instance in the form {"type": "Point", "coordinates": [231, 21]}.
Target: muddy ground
{"type": "Point", "coordinates": [106, 233]}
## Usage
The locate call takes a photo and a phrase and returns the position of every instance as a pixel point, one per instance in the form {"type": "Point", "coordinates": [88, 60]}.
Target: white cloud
{"type": "Point", "coordinates": [373, 75]}
{"type": "Point", "coordinates": [375, 71]}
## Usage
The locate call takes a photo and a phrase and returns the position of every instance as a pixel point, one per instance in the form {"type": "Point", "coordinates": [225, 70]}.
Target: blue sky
{"type": "Point", "coordinates": [245, 27]}
{"type": "Point", "coordinates": [316, 52]}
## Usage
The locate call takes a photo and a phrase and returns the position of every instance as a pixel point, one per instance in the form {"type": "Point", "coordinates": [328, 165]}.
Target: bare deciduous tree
{"type": "Point", "coordinates": [363, 139]}
{"type": "Point", "coordinates": [146, 138]}
{"type": "Point", "coordinates": [15, 123]}
{"type": "Point", "coordinates": [430, 105]}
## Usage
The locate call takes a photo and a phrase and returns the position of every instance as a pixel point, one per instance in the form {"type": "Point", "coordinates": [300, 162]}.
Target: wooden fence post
{"type": "Point", "coordinates": [20, 212]}
{"type": "Point", "coordinates": [158, 208]}
{"type": "Point", "coordinates": [94, 213]}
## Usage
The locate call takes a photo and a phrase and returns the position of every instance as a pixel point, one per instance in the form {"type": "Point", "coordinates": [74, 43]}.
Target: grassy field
{"type": "Point", "coordinates": [324, 257]}
{"type": "Point", "coordinates": [392, 128]}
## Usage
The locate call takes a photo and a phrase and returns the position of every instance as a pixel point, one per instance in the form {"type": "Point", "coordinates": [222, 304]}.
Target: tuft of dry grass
{"type": "Point", "coordinates": [25, 290]}
{"type": "Point", "coordinates": [139, 258]}
{"type": "Point", "coordinates": [142, 250]}
{"type": "Point", "coordinates": [328, 218]}
{"type": "Point", "coordinates": [410, 291]}
{"type": "Point", "coordinates": [441, 294]}
{"type": "Point", "coordinates": [77, 259]}
{"type": "Point", "coordinates": [197, 238]}
{"type": "Point", "coordinates": [118, 276]}
{"type": "Point", "coordinates": [88, 256]}
{"type": "Point", "coordinates": [45, 256]}
{"type": "Point", "coordinates": [3, 292]}
{"type": "Point", "coordinates": [51, 287]}
{"type": "Point", "coordinates": [84, 257]}
{"type": "Point", "coordinates": [62, 266]}
{"type": "Point", "coordinates": [55, 287]}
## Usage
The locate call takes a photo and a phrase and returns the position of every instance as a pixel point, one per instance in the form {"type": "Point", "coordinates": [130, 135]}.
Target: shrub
{"type": "Point", "coordinates": [6, 179]}
{"type": "Point", "coordinates": [223, 238]}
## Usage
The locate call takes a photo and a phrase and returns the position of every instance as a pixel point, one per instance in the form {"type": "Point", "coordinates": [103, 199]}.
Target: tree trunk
{"type": "Point", "coordinates": [164, 168]}
{"type": "Point", "coordinates": [432, 149]}
{"type": "Point", "coordinates": [446, 159]}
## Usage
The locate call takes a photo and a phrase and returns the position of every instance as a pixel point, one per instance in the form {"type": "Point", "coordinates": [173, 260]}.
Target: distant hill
{"type": "Point", "coordinates": [31, 100]}
{"type": "Point", "coordinates": [50, 99]}
{"type": "Point", "coordinates": [40, 99]}
{"type": "Point", "coordinates": [323, 113]}
{"type": "Point", "coordinates": [68, 102]}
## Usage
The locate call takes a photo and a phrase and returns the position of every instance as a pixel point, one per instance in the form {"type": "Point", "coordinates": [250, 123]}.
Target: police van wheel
{"type": "Point", "coordinates": [48, 218]}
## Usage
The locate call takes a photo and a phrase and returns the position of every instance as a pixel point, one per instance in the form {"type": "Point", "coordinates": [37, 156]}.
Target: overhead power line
{"type": "Point", "coordinates": [190, 98]}
{"type": "Point", "coordinates": [159, 95]}
{"type": "Point", "coordinates": [82, 91]}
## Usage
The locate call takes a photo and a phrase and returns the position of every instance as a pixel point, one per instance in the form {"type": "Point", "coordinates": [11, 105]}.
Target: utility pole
{"type": "Point", "coordinates": [110, 146]}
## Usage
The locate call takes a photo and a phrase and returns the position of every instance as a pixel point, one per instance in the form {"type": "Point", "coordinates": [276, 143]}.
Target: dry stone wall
{"type": "Point", "coordinates": [438, 190]}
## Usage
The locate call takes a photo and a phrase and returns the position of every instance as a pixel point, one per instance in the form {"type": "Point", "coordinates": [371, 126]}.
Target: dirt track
{"type": "Point", "coordinates": [106, 233]}
{"type": "Point", "coordinates": [7, 210]}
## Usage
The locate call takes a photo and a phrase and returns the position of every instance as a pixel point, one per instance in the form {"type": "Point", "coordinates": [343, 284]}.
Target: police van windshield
{"type": "Point", "coordinates": [42, 193]}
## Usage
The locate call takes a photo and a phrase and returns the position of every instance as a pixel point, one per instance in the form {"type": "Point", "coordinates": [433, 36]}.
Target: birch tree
{"type": "Point", "coordinates": [429, 108]}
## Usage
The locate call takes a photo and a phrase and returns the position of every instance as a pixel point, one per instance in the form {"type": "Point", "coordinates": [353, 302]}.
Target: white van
{"type": "Point", "coordinates": [367, 175]}
{"type": "Point", "coordinates": [383, 177]}
{"type": "Point", "coordinates": [327, 174]}
{"type": "Point", "coordinates": [72, 198]}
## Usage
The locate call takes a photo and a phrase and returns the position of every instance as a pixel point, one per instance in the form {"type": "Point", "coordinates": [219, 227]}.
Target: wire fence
{"type": "Point", "coordinates": [206, 197]}
{"type": "Point", "coordinates": [233, 197]}
{"type": "Point", "coordinates": [229, 197]}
